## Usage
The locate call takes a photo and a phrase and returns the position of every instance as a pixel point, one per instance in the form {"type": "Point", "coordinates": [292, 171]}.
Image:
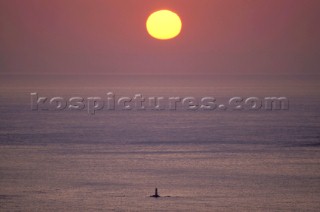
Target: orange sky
{"type": "Point", "coordinates": [109, 37]}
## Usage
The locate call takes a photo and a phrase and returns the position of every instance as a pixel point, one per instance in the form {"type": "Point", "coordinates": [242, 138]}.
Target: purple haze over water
{"type": "Point", "coordinates": [204, 160]}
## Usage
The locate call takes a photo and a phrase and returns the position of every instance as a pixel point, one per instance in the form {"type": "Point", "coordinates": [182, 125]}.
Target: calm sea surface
{"type": "Point", "coordinates": [204, 160]}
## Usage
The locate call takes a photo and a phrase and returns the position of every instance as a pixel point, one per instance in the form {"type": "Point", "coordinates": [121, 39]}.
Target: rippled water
{"type": "Point", "coordinates": [205, 161]}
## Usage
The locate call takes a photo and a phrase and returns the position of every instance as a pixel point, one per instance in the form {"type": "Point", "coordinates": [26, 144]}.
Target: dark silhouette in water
{"type": "Point", "coordinates": [156, 195]}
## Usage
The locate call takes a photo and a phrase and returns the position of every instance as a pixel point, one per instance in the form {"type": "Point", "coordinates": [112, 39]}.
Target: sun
{"type": "Point", "coordinates": [164, 25]}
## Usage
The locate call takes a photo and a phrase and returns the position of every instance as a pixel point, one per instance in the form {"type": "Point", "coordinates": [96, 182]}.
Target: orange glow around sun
{"type": "Point", "coordinates": [164, 25]}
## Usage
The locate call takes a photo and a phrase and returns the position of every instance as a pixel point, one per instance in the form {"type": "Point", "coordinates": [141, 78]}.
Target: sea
{"type": "Point", "coordinates": [200, 160]}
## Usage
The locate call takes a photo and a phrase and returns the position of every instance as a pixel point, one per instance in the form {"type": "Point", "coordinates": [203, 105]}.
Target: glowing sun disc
{"type": "Point", "coordinates": [164, 25]}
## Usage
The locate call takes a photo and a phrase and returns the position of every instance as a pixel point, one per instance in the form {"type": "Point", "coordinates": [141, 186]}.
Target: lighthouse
{"type": "Point", "coordinates": [156, 195]}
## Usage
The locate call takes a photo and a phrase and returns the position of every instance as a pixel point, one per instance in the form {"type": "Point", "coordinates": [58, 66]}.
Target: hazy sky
{"type": "Point", "coordinates": [109, 37]}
